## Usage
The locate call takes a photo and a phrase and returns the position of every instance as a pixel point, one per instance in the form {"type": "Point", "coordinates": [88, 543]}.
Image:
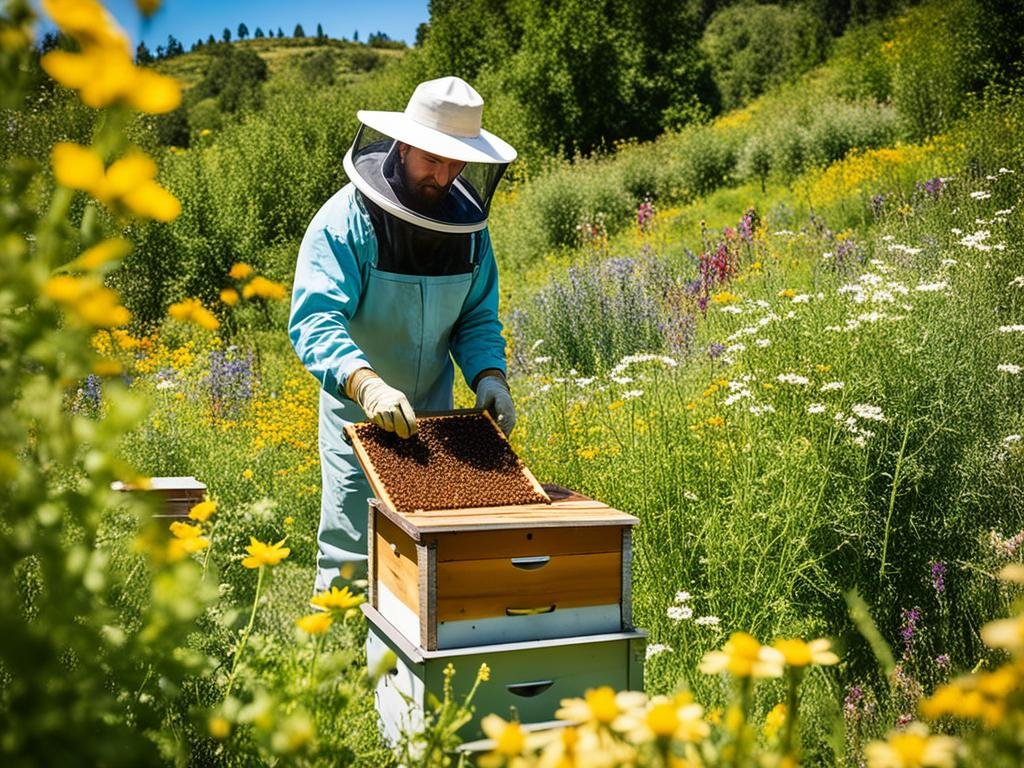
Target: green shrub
{"type": "Point", "coordinates": [752, 47]}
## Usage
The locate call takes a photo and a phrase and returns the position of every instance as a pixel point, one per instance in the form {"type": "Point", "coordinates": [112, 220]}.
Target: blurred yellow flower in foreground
{"type": "Point", "coordinates": [129, 183]}
{"type": "Point", "coordinates": [774, 720]}
{"type": "Point", "coordinates": [509, 740]}
{"type": "Point", "coordinates": [203, 511]}
{"type": "Point", "coordinates": [599, 706]}
{"type": "Point", "coordinates": [87, 298]}
{"type": "Point", "coordinates": [1007, 634]}
{"type": "Point", "coordinates": [192, 310]}
{"type": "Point", "coordinates": [148, 7]}
{"type": "Point", "coordinates": [798, 653]}
{"type": "Point", "coordinates": [261, 554]}
{"type": "Point", "coordinates": [103, 72]}
{"type": "Point", "coordinates": [339, 599]}
{"type": "Point", "coordinates": [743, 656]}
{"type": "Point", "coordinates": [263, 288]}
{"type": "Point", "coordinates": [239, 270]}
{"type": "Point", "coordinates": [187, 540]}
{"type": "Point", "coordinates": [315, 623]}
{"type": "Point", "coordinates": [912, 748]}
{"type": "Point", "coordinates": [219, 727]}
{"type": "Point", "coordinates": [229, 296]}
{"type": "Point", "coordinates": [100, 255]}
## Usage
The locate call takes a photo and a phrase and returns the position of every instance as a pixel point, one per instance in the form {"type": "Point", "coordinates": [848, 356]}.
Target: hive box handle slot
{"type": "Point", "coordinates": [530, 611]}
{"type": "Point", "coordinates": [529, 690]}
{"type": "Point", "coordinates": [531, 563]}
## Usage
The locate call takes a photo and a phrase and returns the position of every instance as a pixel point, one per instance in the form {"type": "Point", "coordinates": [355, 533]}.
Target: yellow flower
{"type": "Point", "coordinates": [205, 132]}
{"type": "Point", "coordinates": [240, 270]}
{"type": "Point", "coordinates": [219, 727]}
{"type": "Point", "coordinates": [87, 21]}
{"type": "Point", "coordinates": [912, 748]}
{"type": "Point", "coordinates": [192, 310]}
{"type": "Point", "coordinates": [509, 737]}
{"type": "Point", "coordinates": [724, 297]}
{"type": "Point", "coordinates": [102, 254]}
{"type": "Point", "coordinates": [599, 706]}
{"type": "Point", "coordinates": [1013, 573]}
{"type": "Point", "coordinates": [229, 296]}
{"type": "Point", "coordinates": [93, 304]}
{"type": "Point", "coordinates": [788, 293]}
{"type": "Point", "coordinates": [797, 653]}
{"type": "Point", "coordinates": [715, 421]}
{"type": "Point", "coordinates": [484, 673]}
{"type": "Point", "coordinates": [587, 453]}
{"type": "Point", "coordinates": [315, 623]}
{"type": "Point", "coordinates": [774, 720]}
{"type": "Point", "coordinates": [743, 656]}
{"type": "Point", "coordinates": [261, 554]}
{"type": "Point", "coordinates": [823, 368]}
{"type": "Point", "coordinates": [289, 520]}
{"type": "Point", "coordinates": [75, 166]}
{"type": "Point", "coordinates": [675, 718]}
{"type": "Point", "coordinates": [185, 530]}
{"type": "Point", "coordinates": [106, 367]}
{"type": "Point", "coordinates": [148, 7]}
{"type": "Point", "coordinates": [247, 474]}
{"type": "Point", "coordinates": [615, 405]}
{"type": "Point", "coordinates": [265, 289]}
{"type": "Point", "coordinates": [203, 510]}
{"type": "Point", "coordinates": [338, 599]}
{"type": "Point", "coordinates": [1007, 634]}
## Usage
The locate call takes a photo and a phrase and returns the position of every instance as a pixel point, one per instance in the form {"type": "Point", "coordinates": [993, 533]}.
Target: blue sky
{"type": "Point", "coordinates": [190, 20]}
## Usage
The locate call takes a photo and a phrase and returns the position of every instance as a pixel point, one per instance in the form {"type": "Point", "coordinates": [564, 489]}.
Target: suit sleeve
{"type": "Point", "coordinates": [329, 277]}
{"type": "Point", "coordinates": [476, 341]}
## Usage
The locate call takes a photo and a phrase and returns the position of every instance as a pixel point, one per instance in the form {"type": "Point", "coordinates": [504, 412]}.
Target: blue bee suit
{"type": "Point", "coordinates": [374, 292]}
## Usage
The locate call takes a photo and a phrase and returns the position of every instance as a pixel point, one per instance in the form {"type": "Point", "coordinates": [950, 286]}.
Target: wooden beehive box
{"type": "Point", "coordinates": [175, 495]}
{"type": "Point", "coordinates": [455, 578]}
{"type": "Point", "coordinates": [527, 680]}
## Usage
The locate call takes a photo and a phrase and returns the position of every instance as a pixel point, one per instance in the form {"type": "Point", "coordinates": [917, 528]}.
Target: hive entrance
{"type": "Point", "coordinates": [455, 461]}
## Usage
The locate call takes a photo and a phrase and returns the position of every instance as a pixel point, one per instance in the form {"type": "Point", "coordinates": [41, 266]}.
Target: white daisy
{"type": "Point", "coordinates": [792, 378]}
{"type": "Point", "coordinates": [1009, 368]}
{"type": "Point", "coordinates": [816, 408]}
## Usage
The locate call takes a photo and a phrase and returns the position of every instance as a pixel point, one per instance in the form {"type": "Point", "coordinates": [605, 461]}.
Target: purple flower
{"type": "Point", "coordinates": [877, 204]}
{"type": "Point", "coordinates": [853, 699]}
{"type": "Point", "coordinates": [645, 215]}
{"type": "Point", "coordinates": [930, 187]}
{"type": "Point", "coordinates": [938, 577]}
{"type": "Point", "coordinates": [942, 661]}
{"type": "Point", "coordinates": [908, 629]}
{"type": "Point", "coordinates": [904, 720]}
{"type": "Point", "coordinates": [715, 348]}
{"type": "Point", "coordinates": [231, 380]}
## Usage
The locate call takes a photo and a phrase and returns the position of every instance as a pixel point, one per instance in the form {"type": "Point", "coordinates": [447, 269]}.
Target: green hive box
{"type": "Point", "coordinates": [528, 680]}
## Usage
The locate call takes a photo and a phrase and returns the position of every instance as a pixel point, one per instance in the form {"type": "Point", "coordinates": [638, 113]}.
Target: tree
{"type": "Point", "coordinates": [258, 32]}
{"type": "Point", "coordinates": [355, 36]}
{"type": "Point", "coordinates": [174, 47]}
{"type": "Point", "coordinates": [243, 31]}
{"type": "Point", "coordinates": [299, 31]}
{"type": "Point", "coordinates": [142, 54]}
{"type": "Point", "coordinates": [226, 35]}
{"type": "Point", "coordinates": [421, 34]}
{"type": "Point", "coordinates": [320, 32]}
{"type": "Point", "coordinates": [279, 32]}
{"type": "Point", "coordinates": [161, 52]}
{"type": "Point", "coordinates": [211, 40]}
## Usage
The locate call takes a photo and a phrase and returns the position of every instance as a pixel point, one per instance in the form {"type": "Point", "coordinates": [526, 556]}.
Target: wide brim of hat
{"type": "Point", "coordinates": [485, 148]}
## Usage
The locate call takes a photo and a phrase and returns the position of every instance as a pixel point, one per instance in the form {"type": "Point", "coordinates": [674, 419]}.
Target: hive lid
{"type": "Point", "coordinates": [458, 460]}
{"type": "Point", "coordinates": [567, 511]}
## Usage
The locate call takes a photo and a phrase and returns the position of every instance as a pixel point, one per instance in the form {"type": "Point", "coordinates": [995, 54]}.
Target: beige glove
{"type": "Point", "coordinates": [385, 406]}
{"type": "Point", "coordinates": [492, 394]}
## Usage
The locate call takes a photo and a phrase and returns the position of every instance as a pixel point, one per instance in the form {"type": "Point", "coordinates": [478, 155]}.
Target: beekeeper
{"type": "Point", "coordinates": [395, 278]}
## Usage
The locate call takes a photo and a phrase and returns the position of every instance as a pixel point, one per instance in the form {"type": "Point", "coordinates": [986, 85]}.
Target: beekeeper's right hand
{"type": "Point", "coordinates": [385, 406]}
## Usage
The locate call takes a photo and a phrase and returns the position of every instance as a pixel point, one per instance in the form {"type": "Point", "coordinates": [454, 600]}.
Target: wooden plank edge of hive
{"type": "Point", "coordinates": [371, 554]}
{"type": "Point", "coordinates": [376, 484]}
{"type": "Point", "coordinates": [500, 525]}
{"type": "Point", "coordinates": [537, 488]}
{"type": "Point", "coordinates": [627, 577]}
{"type": "Point", "coordinates": [405, 524]}
{"type": "Point", "coordinates": [426, 557]}
{"type": "Point", "coordinates": [392, 637]}
{"type": "Point", "coordinates": [532, 645]}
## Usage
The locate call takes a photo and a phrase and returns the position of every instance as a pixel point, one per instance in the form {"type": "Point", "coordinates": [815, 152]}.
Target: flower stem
{"type": "Point", "coordinates": [892, 499]}
{"type": "Point", "coordinates": [245, 634]}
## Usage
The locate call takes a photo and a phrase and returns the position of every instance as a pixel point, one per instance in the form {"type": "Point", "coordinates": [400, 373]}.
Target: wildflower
{"type": "Point", "coordinates": [798, 653]}
{"type": "Point", "coordinates": [91, 302]}
{"type": "Point", "coordinates": [909, 628]}
{"type": "Point", "coordinates": [192, 310]}
{"type": "Point", "coordinates": [484, 673]}
{"type": "Point", "coordinates": [599, 706]}
{"type": "Point", "coordinates": [912, 748]}
{"type": "Point", "coordinates": [679, 612]}
{"type": "Point", "coordinates": [677, 718]}
{"type": "Point", "coordinates": [187, 540]}
{"type": "Point", "coordinates": [743, 656]}
{"type": "Point", "coordinates": [788, 293]}
{"type": "Point", "coordinates": [981, 195]}
{"type": "Point", "coordinates": [100, 255]}
{"type": "Point", "coordinates": [185, 530]}
{"type": "Point", "coordinates": [1017, 282]}
{"type": "Point", "coordinates": [203, 510]}
{"type": "Point", "coordinates": [614, 406]}
{"type": "Point", "coordinates": [340, 599]}
{"type": "Point", "coordinates": [1007, 634]}
{"type": "Point", "coordinates": [684, 597]}
{"type": "Point", "coordinates": [229, 296]}
{"type": "Point", "coordinates": [870, 412]}
{"type": "Point", "coordinates": [655, 649]}
{"type": "Point", "coordinates": [939, 577]}
{"type": "Point", "coordinates": [632, 394]}
{"type": "Point", "coordinates": [932, 287]}
{"type": "Point", "coordinates": [707, 621]}
{"type": "Point", "coordinates": [509, 740]}
{"type": "Point", "coordinates": [792, 378]}
{"type": "Point", "coordinates": [239, 270]}
{"type": "Point", "coordinates": [264, 289]}
{"type": "Point", "coordinates": [831, 386]}
{"type": "Point", "coordinates": [247, 474]}
{"type": "Point", "coordinates": [219, 727]}
{"type": "Point", "coordinates": [774, 720]}
{"type": "Point", "coordinates": [715, 421]}
{"type": "Point", "coordinates": [816, 408]}
{"type": "Point", "coordinates": [1010, 368]}
{"type": "Point", "coordinates": [261, 554]}
{"type": "Point", "coordinates": [542, 360]}
{"type": "Point", "coordinates": [724, 297]}
{"type": "Point", "coordinates": [315, 623]}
